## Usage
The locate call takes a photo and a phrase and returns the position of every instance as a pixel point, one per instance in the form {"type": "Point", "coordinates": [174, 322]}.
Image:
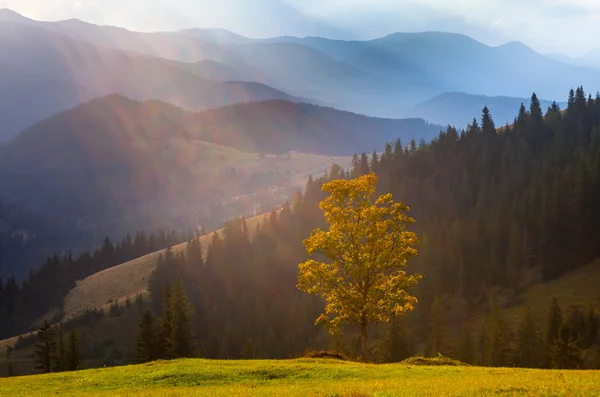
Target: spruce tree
{"type": "Point", "coordinates": [565, 353]}
{"type": "Point", "coordinates": [181, 327]}
{"type": "Point", "coordinates": [496, 345]}
{"type": "Point", "coordinates": [529, 341]}
{"type": "Point", "coordinates": [487, 123]}
{"type": "Point", "coordinates": [591, 330]}
{"type": "Point", "coordinates": [438, 331]}
{"type": "Point", "coordinates": [59, 357]}
{"type": "Point", "coordinates": [535, 113]}
{"type": "Point", "coordinates": [166, 324]}
{"type": "Point", "coordinates": [45, 348]}
{"type": "Point", "coordinates": [553, 322]}
{"type": "Point", "coordinates": [397, 346]}
{"type": "Point", "coordinates": [467, 346]}
{"type": "Point", "coordinates": [73, 356]}
{"type": "Point", "coordinates": [148, 339]}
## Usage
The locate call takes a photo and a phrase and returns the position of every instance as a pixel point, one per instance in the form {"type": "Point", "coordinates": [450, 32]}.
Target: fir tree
{"type": "Point", "coordinates": [148, 339]}
{"type": "Point", "coordinates": [553, 322]}
{"type": "Point", "coordinates": [487, 123]}
{"type": "Point", "coordinates": [59, 357]}
{"type": "Point", "coordinates": [591, 330]}
{"type": "Point", "coordinates": [496, 348]}
{"type": "Point", "coordinates": [181, 327]}
{"type": "Point", "coordinates": [438, 331]}
{"type": "Point", "coordinates": [565, 353]}
{"type": "Point", "coordinates": [397, 346]}
{"type": "Point", "coordinates": [166, 324]}
{"type": "Point", "coordinates": [529, 341]}
{"type": "Point", "coordinates": [45, 348]}
{"type": "Point", "coordinates": [73, 357]}
{"type": "Point", "coordinates": [467, 346]}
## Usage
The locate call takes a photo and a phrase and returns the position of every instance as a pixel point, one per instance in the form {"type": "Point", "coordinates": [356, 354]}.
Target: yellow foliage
{"type": "Point", "coordinates": [359, 271]}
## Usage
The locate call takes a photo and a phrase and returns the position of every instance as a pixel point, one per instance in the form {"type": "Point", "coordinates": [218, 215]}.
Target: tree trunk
{"type": "Point", "coordinates": [363, 339]}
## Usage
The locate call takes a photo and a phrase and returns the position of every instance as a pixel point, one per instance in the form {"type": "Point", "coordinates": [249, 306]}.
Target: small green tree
{"type": "Point", "coordinates": [73, 358]}
{"type": "Point", "coordinates": [565, 353]}
{"type": "Point", "coordinates": [496, 343]}
{"type": "Point", "coordinates": [45, 348]}
{"type": "Point", "coordinates": [59, 357]}
{"type": "Point", "coordinates": [467, 346]}
{"type": "Point", "coordinates": [438, 331]}
{"type": "Point", "coordinates": [529, 341]}
{"type": "Point", "coordinates": [181, 326]}
{"type": "Point", "coordinates": [148, 340]}
{"type": "Point", "coordinates": [166, 324]}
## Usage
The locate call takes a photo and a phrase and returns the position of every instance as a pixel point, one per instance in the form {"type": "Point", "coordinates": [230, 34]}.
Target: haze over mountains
{"type": "Point", "coordinates": [203, 68]}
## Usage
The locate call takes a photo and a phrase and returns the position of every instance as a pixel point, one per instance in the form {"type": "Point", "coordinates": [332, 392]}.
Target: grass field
{"type": "Point", "coordinates": [303, 377]}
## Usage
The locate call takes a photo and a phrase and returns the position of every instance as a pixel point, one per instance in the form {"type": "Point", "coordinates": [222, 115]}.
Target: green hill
{"type": "Point", "coordinates": [303, 377]}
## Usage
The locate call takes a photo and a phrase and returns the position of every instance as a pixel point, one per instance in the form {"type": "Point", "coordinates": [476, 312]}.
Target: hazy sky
{"type": "Point", "coordinates": [568, 26]}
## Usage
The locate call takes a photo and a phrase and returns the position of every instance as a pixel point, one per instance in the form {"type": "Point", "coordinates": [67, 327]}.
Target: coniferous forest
{"type": "Point", "coordinates": [497, 209]}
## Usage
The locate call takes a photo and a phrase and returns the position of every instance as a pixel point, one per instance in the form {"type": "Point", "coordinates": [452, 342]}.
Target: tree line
{"type": "Point", "coordinates": [46, 288]}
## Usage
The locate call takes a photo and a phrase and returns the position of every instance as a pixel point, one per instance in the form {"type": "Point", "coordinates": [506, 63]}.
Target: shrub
{"type": "Point", "coordinates": [324, 354]}
{"type": "Point", "coordinates": [426, 361]}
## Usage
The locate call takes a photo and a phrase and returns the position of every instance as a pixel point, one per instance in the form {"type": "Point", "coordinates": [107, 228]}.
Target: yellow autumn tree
{"type": "Point", "coordinates": [359, 263]}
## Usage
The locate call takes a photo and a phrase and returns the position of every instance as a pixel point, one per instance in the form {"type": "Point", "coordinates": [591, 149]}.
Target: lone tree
{"type": "Point", "coordinates": [367, 247]}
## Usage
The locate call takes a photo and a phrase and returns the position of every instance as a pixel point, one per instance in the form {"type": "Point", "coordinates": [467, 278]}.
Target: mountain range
{"type": "Point", "coordinates": [205, 68]}
{"type": "Point", "coordinates": [114, 165]}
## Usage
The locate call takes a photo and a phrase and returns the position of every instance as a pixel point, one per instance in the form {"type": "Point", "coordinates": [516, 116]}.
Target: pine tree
{"type": "Point", "coordinates": [487, 123]}
{"type": "Point", "coordinates": [73, 357]}
{"type": "Point", "coordinates": [148, 339]}
{"type": "Point", "coordinates": [59, 357]}
{"type": "Point", "coordinates": [553, 322]}
{"type": "Point", "coordinates": [397, 346]}
{"type": "Point", "coordinates": [181, 327]}
{"type": "Point", "coordinates": [45, 348]}
{"type": "Point", "coordinates": [535, 113]}
{"type": "Point", "coordinates": [496, 347]}
{"type": "Point", "coordinates": [467, 346]}
{"type": "Point", "coordinates": [166, 324]}
{"type": "Point", "coordinates": [529, 341]}
{"type": "Point", "coordinates": [591, 330]}
{"type": "Point", "coordinates": [438, 331]}
{"type": "Point", "coordinates": [565, 353]}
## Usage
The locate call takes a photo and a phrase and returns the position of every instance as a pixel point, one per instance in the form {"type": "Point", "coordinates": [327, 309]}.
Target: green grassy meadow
{"type": "Point", "coordinates": [303, 377]}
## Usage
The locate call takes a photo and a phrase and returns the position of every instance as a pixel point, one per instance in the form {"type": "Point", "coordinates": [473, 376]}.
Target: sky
{"type": "Point", "coordinates": [570, 27]}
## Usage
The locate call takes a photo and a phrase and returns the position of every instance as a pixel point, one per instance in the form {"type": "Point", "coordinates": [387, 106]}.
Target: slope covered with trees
{"type": "Point", "coordinates": [497, 210]}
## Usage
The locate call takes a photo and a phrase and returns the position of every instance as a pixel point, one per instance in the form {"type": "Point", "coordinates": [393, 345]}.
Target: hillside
{"type": "Point", "coordinates": [458, 109]}
{"type": "Point", "coordinates": [303, 377]}
{"type": "Point", "coordinates": [114, 163]}
{"type": "Point", "coordinates": [125, 281]}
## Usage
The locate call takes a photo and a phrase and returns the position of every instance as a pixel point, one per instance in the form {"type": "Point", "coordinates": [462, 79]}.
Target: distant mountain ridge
{"type": "Point", "coordinates": [458, 109]}
{"type": "Point", "coordinates": [115, 164]}
{"type": "Point", "coordinates": [35, 63]}
{"type": "Point", "coordinates": [385, 77]}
